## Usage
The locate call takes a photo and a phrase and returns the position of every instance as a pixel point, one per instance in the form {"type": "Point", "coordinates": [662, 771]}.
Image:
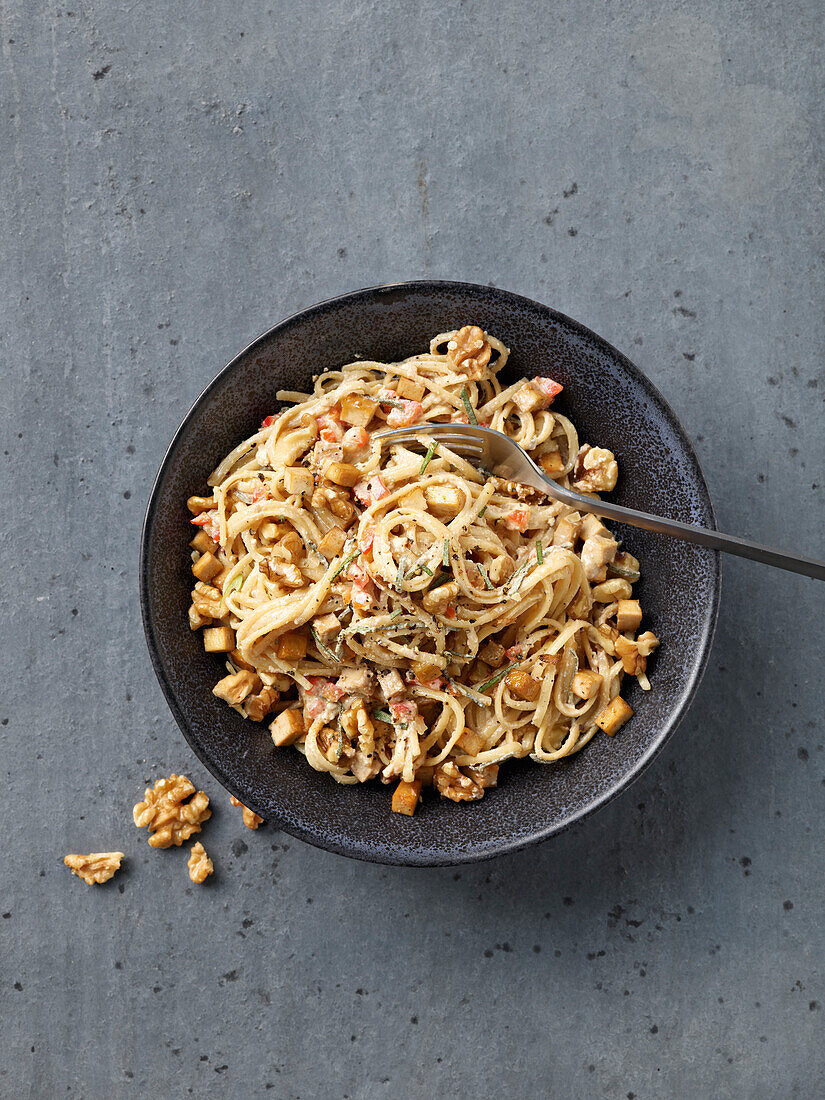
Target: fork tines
{"type": "Point", "coordinates": [452, 438]}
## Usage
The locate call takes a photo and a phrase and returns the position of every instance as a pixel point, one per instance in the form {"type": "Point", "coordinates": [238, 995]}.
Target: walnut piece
{"type": "Point", "coordinates": [634, 654]}
{"type": "Point", "coordinates": [469, 350]}
{"type": "Point", "coordinates": [200, 865]}
{"type": "Point", "coordinates": [169, 818]}
{"type": "Point", "coordinates": [596, 470]}
{"type": "Point", "coordinates": [96, 867]}
{"type": "Point", "coordinates": [453, 784]}
{"type": "Point", "coordinates": [250, 819]}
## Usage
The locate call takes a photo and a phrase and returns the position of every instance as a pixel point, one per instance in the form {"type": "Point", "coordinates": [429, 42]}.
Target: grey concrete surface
{"type": "Point", "coordinates": [177, 177]}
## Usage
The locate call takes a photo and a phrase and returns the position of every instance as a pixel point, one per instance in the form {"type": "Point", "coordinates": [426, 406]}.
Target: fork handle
{"type": "Point", "coordinates": [731, 544]}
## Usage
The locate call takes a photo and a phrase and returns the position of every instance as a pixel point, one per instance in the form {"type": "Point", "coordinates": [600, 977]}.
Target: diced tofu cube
{"type": "Point", "coordinates": [444, 501]}
{"type": "Point", "coordinates": [612, 590]}
{"type": "Point", "coordinates": [237, 687]}
{"type": "Point", "coordinates": [424, 671]}
{"type": "Point", "coordinates": [552, 464]}
{"type": "Point", "coordinates": [355, 681]}
{"type": "Point", "coordinates": [523, 685]}
{"type": "Point", "coordinates": [326, 626]}
{"type": "Point", "coordinates": [298, 481]}
{"type": "Point", "coordinates": [412, 391]}
{"type": "Point", "coordinates": [567, 530]}
{"type": "Point", "coordinates": [240, 661]}
{"type": "Point", "coordinates": [332, 543]}
{"type": "Point", "coordinates": [291, 647]}
{"type": "Point", "coordinates": [470, 741]}
{"type": "Point", "coordinates": [493, 654]}
{"type": "Point", "coordinates": [196, 505]}
{"type": "Point", "coordinates": [586, 684]}
{"type": "Point", "coordinates": [628, 616]}
{"type": "Point", "coordinates": [287, 728]}
{"type": "Point", "coordinates": [592, 525]}
{"type": "Point", "coordinates": [342, 473]}
{"type": "Point", "coordinates": [391, 683]}
{"type": "Point", "coordinates": [614, 716]}
{"type": "Point", "coordinates": [357, 410]}
{"type": "Point", "coordinates": [202, 543]}
{"type": "Point", "coordinates": [206, 567]}
{"type": "Point", "coordinates": [218, 639]}
{"type": "Point", "coordinates": [406, 797]}
{"type": "Point", "coordinates": [596, 552]}
{"type": "Point", "coordinates": [529, 398]}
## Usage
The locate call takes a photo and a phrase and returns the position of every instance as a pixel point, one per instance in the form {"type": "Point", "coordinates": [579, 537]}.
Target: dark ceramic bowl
{"type": "Point", "coordinates": [612, 404]}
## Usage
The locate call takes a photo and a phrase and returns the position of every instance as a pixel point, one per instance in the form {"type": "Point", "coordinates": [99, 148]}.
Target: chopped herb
{"type": "Point", "coordinates": [483, 573]}
{"type": "Point", "coordinates": [325, 650]}
{"type": "Point", "coordinates": [623, 571]}
{"type": "Point", "coordinates": [482, 700]}
{"type": "Point", "coordinates": [382, 715]}
{"type": "Point", "coordinates": [502, 672]}
{"type": "Point", "coordinates": [399, 578]}
{"type": "Point", "coordinates": [236, 582]}
{"type": "Point", "coordinates": [459, 656]}
{"type": "Point", "coordinates": [340, 738]}
{"type": "Point", "coordinates": [429, 572]}
{"type": "Point", "coordinates": [517, 576]}
{"type": "Point", "coordinates": [442, 578]}
{"type": "Point", "coordinates": [445, 560]}
{"type": "Point", "coordinates": [465, 397]}
{"type": "Point", "coordinates": [347, 561]}
{"type": "Point", "coordinates": [539, 552]}
{"type": "Point", "coordinates": [428, 456]}
{"type": "Point", "coordinates": [392, 404]}
{"type": "Point", "coordinates": [483, 510]}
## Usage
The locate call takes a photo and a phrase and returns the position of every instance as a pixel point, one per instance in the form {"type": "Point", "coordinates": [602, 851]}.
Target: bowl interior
{"type": "Point", "coordinates": [611, 403]}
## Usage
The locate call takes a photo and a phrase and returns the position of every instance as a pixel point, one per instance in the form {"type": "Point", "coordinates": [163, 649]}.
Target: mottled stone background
{"type": "Point", "coordinates": [176, 178]}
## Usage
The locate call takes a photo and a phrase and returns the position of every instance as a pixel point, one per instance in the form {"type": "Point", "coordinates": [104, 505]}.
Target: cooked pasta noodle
{"type": "Point", "coordinates": [396, 612]}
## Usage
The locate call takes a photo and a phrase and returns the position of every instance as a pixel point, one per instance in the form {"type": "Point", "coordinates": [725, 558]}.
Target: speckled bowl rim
{"type": "Point", "coordinates": [669, 724]}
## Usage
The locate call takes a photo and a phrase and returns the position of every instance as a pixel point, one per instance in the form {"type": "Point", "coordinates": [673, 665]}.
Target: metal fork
{"type": "Point", "coordinates": [504, 458]}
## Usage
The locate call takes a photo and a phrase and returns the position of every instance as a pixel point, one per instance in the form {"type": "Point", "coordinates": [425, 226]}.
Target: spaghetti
{"type": "Point", "coordinates": [398, 613]}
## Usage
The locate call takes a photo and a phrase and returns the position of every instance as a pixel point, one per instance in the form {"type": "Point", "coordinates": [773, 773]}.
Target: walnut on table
{"type": "Point", "coordinates": [250, 818]}
{"type": "Point", "coordinates": [94, 868]}
{"type": "Point", "coordinates": [169, 818]}
{"type": "Point", "coordinates": [200, 865]}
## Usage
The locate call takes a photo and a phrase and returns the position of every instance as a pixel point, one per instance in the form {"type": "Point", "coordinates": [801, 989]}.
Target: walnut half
{"type": "Point", "coordinates": [96, 867]}
{"type": "Point", "coordinates": [469, 350]}
{"type": "Point", "coordinates": [169, 818]}
{"type": "Point", "coordinates": [453, 784]}
{"type": "Point", "coordinates": [200, 865]}
{"type": "Point", "coordinates": [250, 818]}
{"type": "Point", "coordinates": [596, 470]}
